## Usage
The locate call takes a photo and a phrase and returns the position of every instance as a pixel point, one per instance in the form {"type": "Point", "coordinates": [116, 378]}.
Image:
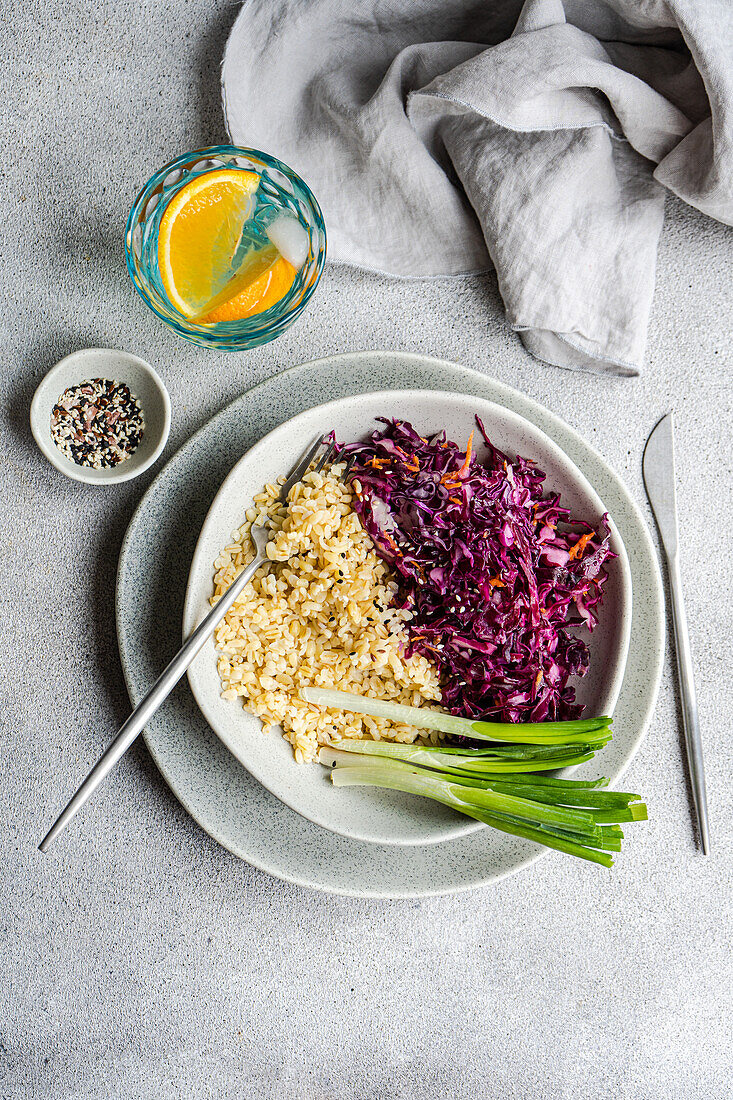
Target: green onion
{"type": "Point", "coordinates": [573, 816]}
{"type": "Point", "coordinates": [589, 731]}
{"type": "Point", "coordinates": [401, 777]}
{"type": "Point", "coordinates": [518, 758]}
{"type": "Point", "coordinates": [497, 784]}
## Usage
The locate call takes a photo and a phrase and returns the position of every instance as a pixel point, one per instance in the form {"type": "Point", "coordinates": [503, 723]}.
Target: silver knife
{"type": "Point", "coordinates": [659, 479]}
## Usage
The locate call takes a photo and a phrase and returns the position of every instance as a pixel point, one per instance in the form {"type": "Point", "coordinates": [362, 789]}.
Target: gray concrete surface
{"type": "Point", "coordinates": [139, 959]}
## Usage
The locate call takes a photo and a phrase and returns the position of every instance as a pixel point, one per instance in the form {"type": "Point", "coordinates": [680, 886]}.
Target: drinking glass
{"type": "Point", "coordinates": [280, 190]}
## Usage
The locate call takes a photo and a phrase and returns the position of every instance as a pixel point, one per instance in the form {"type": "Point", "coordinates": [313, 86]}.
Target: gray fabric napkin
{"type": "Point", "coordinates": [439, 133]}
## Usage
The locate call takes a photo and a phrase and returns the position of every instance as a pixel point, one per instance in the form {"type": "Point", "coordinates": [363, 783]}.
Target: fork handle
{"type": "Point", "coordinates": [157, 695]}
{"type": "Point", "coordinates": [690, 718]}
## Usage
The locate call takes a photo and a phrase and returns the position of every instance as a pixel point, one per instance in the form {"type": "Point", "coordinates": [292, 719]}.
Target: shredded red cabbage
{"type": "Point", "coordinates": [496, 573]}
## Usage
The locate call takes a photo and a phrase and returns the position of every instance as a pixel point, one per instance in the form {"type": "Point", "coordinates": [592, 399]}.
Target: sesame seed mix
{"type": "Point", "coordinates": [98, 423]}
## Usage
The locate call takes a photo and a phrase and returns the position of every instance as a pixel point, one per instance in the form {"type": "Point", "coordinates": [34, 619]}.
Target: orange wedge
{"type": "Point", "coordinates": [199, 235]}
{"type": "Point", "coordinates": [264, 281]}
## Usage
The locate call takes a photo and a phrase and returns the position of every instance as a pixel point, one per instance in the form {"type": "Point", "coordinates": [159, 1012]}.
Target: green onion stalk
{"type": "Point", "coordinates": [584, 731]}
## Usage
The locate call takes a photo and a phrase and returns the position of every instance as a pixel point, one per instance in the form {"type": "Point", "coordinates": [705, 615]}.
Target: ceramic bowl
{"type": "Point", "coordinates": [119, 366]}
{"type": "Point", "coordinates": [369, 814]}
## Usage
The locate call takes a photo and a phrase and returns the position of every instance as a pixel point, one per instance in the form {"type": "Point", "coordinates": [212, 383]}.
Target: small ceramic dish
{"type": "Point", "coordinates": [369, 814]}
{"type": "Point", "coordinates": [118, 366]}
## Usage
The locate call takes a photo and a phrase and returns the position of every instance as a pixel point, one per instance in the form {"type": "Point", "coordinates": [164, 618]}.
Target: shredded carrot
{"type": "Point", "coordinates": [496, 583]}
{"type": "Point", "coordinates": [377, 463]}
{"type": "Point", "coordinates": [576, 551]}
{"type": "Point", "coordinates": [455, 500]}
{"type": "Point", "coordinates": [464, 468]}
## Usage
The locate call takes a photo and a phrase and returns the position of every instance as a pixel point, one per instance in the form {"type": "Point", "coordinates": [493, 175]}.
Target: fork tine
{"type": "Point", "coordinates": [327, 456]}
{"type": "Point", "coordinates": [300, 467]}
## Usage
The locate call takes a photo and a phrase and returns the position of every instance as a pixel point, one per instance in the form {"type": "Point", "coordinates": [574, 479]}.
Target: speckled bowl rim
{"type": "Point", "coordinates": [125, 471]}
{"type": "Point", "coordinates": [565, 437]}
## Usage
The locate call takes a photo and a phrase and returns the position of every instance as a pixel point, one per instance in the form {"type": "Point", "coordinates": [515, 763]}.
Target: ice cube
{"type": "Point", "coordinates": [290, 238]}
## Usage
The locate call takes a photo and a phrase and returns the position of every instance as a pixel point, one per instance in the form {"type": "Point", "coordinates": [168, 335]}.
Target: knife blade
{"type": "Point", "coordinates": [659, 480]}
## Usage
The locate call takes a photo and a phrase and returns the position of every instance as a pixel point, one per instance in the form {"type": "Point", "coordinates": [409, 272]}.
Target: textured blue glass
{"type": "Point", "coordinates": [280, 187]}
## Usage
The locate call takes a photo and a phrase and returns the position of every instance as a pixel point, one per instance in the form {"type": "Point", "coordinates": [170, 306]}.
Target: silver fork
{"type": "Point", "coordinates": [168, 679]}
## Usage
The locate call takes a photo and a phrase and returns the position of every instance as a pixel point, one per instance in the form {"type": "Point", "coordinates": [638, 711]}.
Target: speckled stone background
{"type": "Point", "coordinates": [141, 960]}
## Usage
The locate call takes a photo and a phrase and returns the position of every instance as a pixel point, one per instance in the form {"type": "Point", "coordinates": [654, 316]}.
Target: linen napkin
{"type": "Point", "coordinates": [439, 133]}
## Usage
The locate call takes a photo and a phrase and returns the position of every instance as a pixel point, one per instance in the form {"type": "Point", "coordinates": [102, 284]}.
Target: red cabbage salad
{"type": "Point", "coordinates": [501, 580]}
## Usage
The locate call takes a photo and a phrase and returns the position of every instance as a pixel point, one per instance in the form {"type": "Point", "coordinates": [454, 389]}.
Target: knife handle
{"type": "Point", "coordinates": [690, 718]}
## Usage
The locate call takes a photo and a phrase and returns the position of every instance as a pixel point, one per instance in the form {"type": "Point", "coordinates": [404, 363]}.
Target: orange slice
{"type": "Point", "coordinates": [262, 282]}
{"type": "Point", "coordinates": [199, 234]}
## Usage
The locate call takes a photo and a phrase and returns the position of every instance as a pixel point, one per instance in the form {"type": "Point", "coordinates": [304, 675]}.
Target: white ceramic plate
{"type": "Point", "coordinates": [385, 817]}
{"type": "Point", "coordinates": [216, 790]}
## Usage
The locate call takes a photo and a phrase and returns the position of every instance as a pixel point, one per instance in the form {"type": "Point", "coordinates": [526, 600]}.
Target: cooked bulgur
{"type": "Point", "coordinates": [322, 617]}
